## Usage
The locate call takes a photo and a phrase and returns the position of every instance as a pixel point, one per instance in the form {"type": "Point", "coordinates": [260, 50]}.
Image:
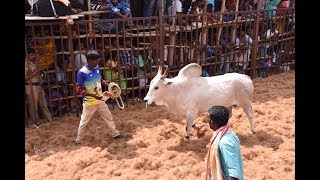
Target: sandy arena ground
{"type": "Point", "coordinates": [157, 149]}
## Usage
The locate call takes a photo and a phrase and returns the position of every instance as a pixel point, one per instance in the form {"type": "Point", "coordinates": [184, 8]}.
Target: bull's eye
{"type": "Point", "coordinates": [156, 88]}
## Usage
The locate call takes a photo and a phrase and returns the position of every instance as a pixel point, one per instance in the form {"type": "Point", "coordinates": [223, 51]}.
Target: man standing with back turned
{"type": "Point", "coordinates": [224, 159]}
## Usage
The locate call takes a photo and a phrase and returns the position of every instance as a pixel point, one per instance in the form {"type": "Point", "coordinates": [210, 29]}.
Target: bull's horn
{"type": "Point", "coordinates": [165, 74]}
{"type": "Point", "coordinates": [159, 70]}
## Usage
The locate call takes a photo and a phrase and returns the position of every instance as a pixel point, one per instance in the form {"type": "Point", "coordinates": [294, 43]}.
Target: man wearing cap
{"type": "Point", "coordinates": [89, 85]}
{"type": "Point", "coordinates": [34, 92]}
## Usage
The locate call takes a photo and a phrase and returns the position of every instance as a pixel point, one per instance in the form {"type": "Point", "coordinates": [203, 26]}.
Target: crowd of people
{"type": "Point", "coordinates": [123, 60]}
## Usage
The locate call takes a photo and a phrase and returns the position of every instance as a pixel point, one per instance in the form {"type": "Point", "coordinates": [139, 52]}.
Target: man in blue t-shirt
{"type": "Point", "coordinates": [224, 159]}
{"type": "Point", "coordinates": [89, 85]}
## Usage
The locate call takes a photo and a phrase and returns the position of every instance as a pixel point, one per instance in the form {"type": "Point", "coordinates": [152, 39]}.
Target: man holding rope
{"type": "Point", "coordinates": [89, 85]}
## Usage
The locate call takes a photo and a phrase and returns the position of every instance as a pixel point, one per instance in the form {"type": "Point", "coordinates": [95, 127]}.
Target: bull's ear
{"type": "Point", "coordinates": [167, 82]}
{"type": "Point", "coordinates": [159, 70]}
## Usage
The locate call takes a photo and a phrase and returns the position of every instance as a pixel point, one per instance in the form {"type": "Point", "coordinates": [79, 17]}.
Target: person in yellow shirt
{"type": "Point", "coordinates": [112, 72]}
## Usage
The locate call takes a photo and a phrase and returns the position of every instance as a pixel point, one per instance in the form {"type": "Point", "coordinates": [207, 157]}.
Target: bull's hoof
{"type": "Point", "coordinates": [187, 137]}
{"type": "Point", "coordinates": [253, 132]}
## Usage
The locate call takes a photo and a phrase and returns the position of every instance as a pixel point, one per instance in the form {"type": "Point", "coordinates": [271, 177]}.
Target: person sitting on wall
{"type": "Point", "coordinates": [118, 10]}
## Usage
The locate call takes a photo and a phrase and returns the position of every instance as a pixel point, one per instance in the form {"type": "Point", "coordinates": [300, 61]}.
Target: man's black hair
{"type": "Point", "coordinates": [219, 115]}
{"type": "Point", "coordinates": [92, 55]}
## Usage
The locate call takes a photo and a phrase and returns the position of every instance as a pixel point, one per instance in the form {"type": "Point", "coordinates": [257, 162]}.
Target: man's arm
{"type": "Point", "coordinates": [104, 8]}
{"type": "Point", "coordinates": [82, 91]}
{"type": "Point", "coordinates": [120, 8]}
{"type": "Point", "coordinates": [31, 75]}
{"type": "Point", "coordinates": [98, 7]}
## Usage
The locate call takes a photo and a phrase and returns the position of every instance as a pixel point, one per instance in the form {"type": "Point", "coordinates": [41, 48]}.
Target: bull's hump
{"type": "Point", "coordinates": [190, 70]}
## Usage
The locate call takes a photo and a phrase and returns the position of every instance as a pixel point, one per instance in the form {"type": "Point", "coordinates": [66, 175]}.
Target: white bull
{"type": "Point", "coordinates": [188, 93]}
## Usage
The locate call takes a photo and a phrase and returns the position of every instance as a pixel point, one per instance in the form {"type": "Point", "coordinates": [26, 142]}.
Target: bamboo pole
{"type": "Point", "coordinates": [203, 34]}
{"type": "Point", "coordinates": [233, 32]}
{"type": "Point", "coordinates": [234, 29]}
{"type": "Point", "coordinates": [89, 5]}
{"type": "Point", "coordinates": [173, 34]}
{"type": "Point", "coordinates": [255, 42]}
{"type": "Point", "coordinates": [74, 75]}
{"type": "Point", "coordinates": [161, 38]}
{"type": "Point", "coordinates": [223, 7]}
{"type": "Point", "coordinates": [90, 19]}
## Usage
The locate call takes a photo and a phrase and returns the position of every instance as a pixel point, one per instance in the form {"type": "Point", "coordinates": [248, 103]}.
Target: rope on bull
{"type": "Point", "coordinates": [115, 90]}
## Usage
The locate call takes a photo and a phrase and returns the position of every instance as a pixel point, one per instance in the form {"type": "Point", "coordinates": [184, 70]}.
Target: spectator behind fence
{"type": "Point", "coordinates": [150, 8]}
{"type": "Point", "coordinates": [127, 4]}
{"type": "Point", "coordinates": [113, 72]}
{"type": "Point", "coordinates": [244, 43]}
{"type": "Point", "coordinates": [246, 6]}
{"type": "Point", "coordinates": [210, 17]}
{"type": "Point", "coordinates": [283, 15]}
{"type": "Point", "coordinates": [194, 10]}
{"type": "Point", "coordinates": [34, 92]}
{"type": "Point", "coordinates": [178, 7]}
{"type": "Point", "coordinates": [100, 5]}
{"type": "Point", "coordinates": [178, 11]}
{"type": "Point", "coordinates": [76, 6]}
{"type": "Point", "coordinates": [118, 10]}
{"type": "Point", "coordinates": [224, 158]}
{"type": "Point", "coordinates": [127, 60]}
{"type": "Point", "coordinates": [271, 6]}
{"type": "Point", "coordinates": [89, 85]}
{"type": "Point", "coordinates": [80, 57]}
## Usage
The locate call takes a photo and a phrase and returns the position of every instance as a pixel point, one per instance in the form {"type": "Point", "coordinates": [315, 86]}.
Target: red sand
{"type": "Point", "coordinates": [157, 149]}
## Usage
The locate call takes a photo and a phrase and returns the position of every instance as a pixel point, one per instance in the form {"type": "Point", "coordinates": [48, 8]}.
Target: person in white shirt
{"type": "Point", "coordinates": [80, 58]}
{"type": "Point", "coordinates": [244, 43]}
{"type": "Point", "coordinates": [178, 7]}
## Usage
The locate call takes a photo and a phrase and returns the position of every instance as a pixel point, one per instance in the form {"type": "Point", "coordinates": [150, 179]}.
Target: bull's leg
{"type": "Point", "coordinates": [190, 123]}
{"type": "Point", "coordinates": [248, 110]}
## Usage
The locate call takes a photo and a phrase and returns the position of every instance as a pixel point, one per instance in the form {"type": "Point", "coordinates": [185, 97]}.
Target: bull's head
{"type": "Point", "coordinates": [156, 90]}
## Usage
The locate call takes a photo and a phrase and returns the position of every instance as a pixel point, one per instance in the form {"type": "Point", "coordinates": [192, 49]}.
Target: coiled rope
{"type": "Point", "coordinates": [115, 90]}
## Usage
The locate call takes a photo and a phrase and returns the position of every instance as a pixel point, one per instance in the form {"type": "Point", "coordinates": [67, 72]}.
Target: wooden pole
{"type": "Point", "coordinates": [161, 38]}
{"type": "Point", "coordinates": [234, 29]}
{"type": "Point", "coordinates": [255, 42]}
{"type": "Point", "coordinates": [203, 35]}
{"type": "Point", "coordinates": [90, 19]}
{"type": "Point", "coordinates": [233, 33]}
{"type": "Point", "coordinates": [223, 7]}
{"type": "Point", "coordinates": [173, 35]}
{"type": "Point", "coordinates": [74, 75]}
{"type": "Point", "coordinates": [89, 5]}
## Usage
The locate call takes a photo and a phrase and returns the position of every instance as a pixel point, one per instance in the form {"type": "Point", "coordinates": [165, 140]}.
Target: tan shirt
{"type": "Point", "coordinates": [30, 68]}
